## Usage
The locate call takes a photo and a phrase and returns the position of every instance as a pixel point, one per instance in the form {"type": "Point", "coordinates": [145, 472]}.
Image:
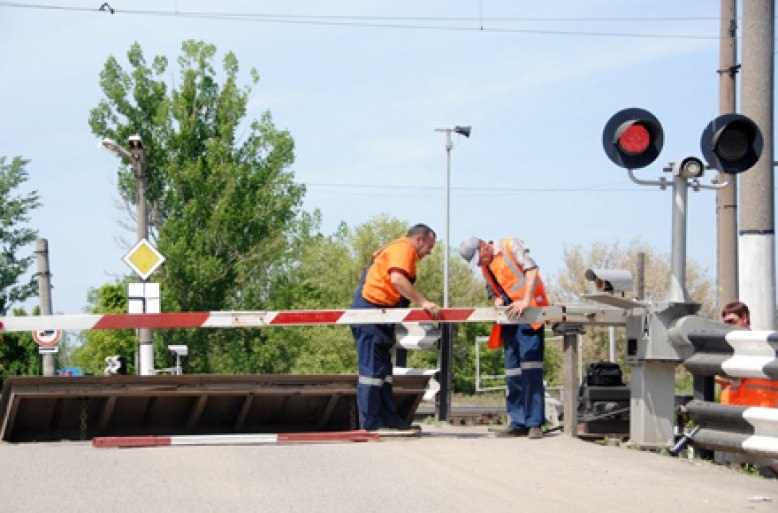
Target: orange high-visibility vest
{"type": "Point", "coordinates": [398, 255]}
{"type": "Point", "coordinates": [751, 392]}
{"type": "Point", "coordinates": [510, 275]}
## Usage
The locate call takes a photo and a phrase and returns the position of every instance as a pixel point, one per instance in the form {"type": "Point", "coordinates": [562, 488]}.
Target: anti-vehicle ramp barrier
{"type": "Point", "coordinates": [34, 409]}
{"type": "Point", "coordinates": [734, 354]}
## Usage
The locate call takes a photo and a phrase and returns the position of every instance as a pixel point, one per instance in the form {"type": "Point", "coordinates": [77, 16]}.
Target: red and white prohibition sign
{"type": "Point", "coordinates": [46, 338]}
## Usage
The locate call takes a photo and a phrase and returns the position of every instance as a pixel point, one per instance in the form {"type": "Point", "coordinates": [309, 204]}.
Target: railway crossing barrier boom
{"type": "Point", "coordinates": [663, 332]}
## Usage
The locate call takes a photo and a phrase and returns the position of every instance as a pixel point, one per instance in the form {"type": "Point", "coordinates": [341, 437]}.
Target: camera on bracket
{"type": "Point", "coordinates": [611, 281]}
{"type": "Point", "coordinates": [179, 350]}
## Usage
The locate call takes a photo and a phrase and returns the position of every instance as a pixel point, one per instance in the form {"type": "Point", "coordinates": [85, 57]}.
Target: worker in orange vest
{"type": "Point", "coordinates": [513, 280]}
{"type": "Point", "coordinates": [387, 282]}
{"type": "Point", "coordinates": [745, 391]}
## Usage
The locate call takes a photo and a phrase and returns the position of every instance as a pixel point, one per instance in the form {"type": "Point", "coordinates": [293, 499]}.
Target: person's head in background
{"type": "Point", "coordinates": [736, 314]}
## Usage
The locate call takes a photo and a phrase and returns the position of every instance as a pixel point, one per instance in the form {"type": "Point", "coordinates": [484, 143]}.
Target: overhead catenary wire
{"type": "Point", "coordinates": [442, 23]}
{"type": "Point", "coordinates": [356, 187]}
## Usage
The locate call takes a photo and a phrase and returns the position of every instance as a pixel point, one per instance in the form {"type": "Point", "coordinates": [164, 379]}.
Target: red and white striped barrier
{"type": "Point", "coordinates": [238, 439]}
{"type": "Point", "coordinates": [588, 314]}
{"type": "Point", "coordinates": [252, 319]}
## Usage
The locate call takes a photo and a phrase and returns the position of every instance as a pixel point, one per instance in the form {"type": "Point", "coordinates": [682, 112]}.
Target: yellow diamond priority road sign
{"type": "Point", "coordinates": [144, 259]}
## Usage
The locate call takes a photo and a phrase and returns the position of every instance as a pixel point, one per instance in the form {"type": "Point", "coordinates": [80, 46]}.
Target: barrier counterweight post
{"type": "Point", "coordinates": [570, 378]}
{"type": "Point", "coordinates": [443, 405]}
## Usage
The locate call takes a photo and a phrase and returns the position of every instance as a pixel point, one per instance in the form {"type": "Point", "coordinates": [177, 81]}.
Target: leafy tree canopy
{"type": "Point", "coordinates": [14, 236]}
{"type": "Point", "coordinates": [19, 353]}
{"type": "Point", "coordinates": [99, 344]}
{"type": "Point", "coordinates": [224, 205]}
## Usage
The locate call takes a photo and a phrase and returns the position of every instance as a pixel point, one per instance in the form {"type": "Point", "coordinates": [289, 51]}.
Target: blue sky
{"type": "Point", "coordinates": [362, 86]}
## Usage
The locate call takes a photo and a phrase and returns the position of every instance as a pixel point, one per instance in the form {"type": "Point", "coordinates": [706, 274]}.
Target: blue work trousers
{"type": "Point", "coordinates": [375, 398]}
{"type": "Point", "coordinates": [525, 401]}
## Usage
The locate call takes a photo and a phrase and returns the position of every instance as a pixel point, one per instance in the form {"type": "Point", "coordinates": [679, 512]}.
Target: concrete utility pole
{"type": "Point", "coordinates": [726, 198]}
{"type": "Point", "coordinates": [137, 157]}
{"type": "Point", "coordinates": [44, 294]}
{"type": "Point", "coordinates": [757, 222]}
{"type": "Point", "coordinates": [145, 336]}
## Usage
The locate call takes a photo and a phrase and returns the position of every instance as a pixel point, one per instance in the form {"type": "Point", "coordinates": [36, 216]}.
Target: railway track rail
{"type": "Point", "coordinates": [465, 415]}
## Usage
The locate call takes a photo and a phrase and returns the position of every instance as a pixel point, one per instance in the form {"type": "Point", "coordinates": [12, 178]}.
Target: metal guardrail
{"type": "Point", "coordinates": [733, 428]}
{"type": "Point", "coordinates": [724, 427]}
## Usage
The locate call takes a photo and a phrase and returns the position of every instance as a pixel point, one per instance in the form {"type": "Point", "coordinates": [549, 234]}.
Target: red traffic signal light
{"type": "Point", "coordinates": [731, 143]}
{"type": "Point", "coordinates": [632, 138]}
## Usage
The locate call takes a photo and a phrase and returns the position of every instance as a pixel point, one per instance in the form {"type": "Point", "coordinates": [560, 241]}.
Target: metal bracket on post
{"type": "Point", "coordinates": [571, 380]}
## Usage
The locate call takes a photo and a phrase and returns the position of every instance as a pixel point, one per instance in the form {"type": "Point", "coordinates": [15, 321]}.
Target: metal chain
{"type": "Point", "coordinates": [83, 417]}
{"type": "Point", "coordinates": [353, 421]}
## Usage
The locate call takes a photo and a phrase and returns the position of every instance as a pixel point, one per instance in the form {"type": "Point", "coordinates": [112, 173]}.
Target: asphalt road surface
{"type": "Point", "coordinates": [448, 469]}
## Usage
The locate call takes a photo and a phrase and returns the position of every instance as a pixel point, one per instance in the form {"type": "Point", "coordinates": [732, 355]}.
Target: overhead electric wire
{"type": "Point", "coordinates": [400, 22]}
{"type": "Point", "coordinates": [358, 188]}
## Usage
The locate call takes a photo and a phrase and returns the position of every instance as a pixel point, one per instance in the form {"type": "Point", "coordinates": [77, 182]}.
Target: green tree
{"type": "Point", "coordinates": [225, 208]}
{"type": "Point", "coordinates": [99, 344]}
{"type": "Point", "coordinates": [19, 353]}
{"type": "Point", "coordinates": [15, 210]}
{"type": "Point", "coordinates": [226, 214]}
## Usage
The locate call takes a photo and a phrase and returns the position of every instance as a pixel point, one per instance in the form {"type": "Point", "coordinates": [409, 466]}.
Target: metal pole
{"type": "Point", "coordinates": [446, 344]}
{"type": "Point", "coordinates": [443, 398]}
{"type": "Point", "coordinates": [44, 294]}
{"type": "Point", "coordinates": [677, 290]}
{"type": "Point", "coordinates": [571, 334]}
{"type": "Point", "coordinates": [640, 288]}
{"type": "Point", "coordinates": [449, 145]}
{"type": "Point", "coordinates": [757, 223]}
{"type": "Point", "coordinates": [726, 198]}
{"type": "Point", "coordinates": [570, 379]}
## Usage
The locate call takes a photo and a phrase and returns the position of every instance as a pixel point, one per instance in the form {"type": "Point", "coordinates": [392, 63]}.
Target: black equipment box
{"type": "Point", "coordinates": [603, 406]}
{"type": "Point", "coordinates": [604, 374]}
{"type": "Point", "coordinates": [604, 410]}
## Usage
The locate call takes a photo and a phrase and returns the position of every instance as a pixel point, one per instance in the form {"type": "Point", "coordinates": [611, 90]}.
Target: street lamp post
{"type": "Point", "coordinates": [445, 364]}
{"type": "Point", "coordinates": [137, 157]}
{"type": "Point", "coordinates": [462, 130]}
